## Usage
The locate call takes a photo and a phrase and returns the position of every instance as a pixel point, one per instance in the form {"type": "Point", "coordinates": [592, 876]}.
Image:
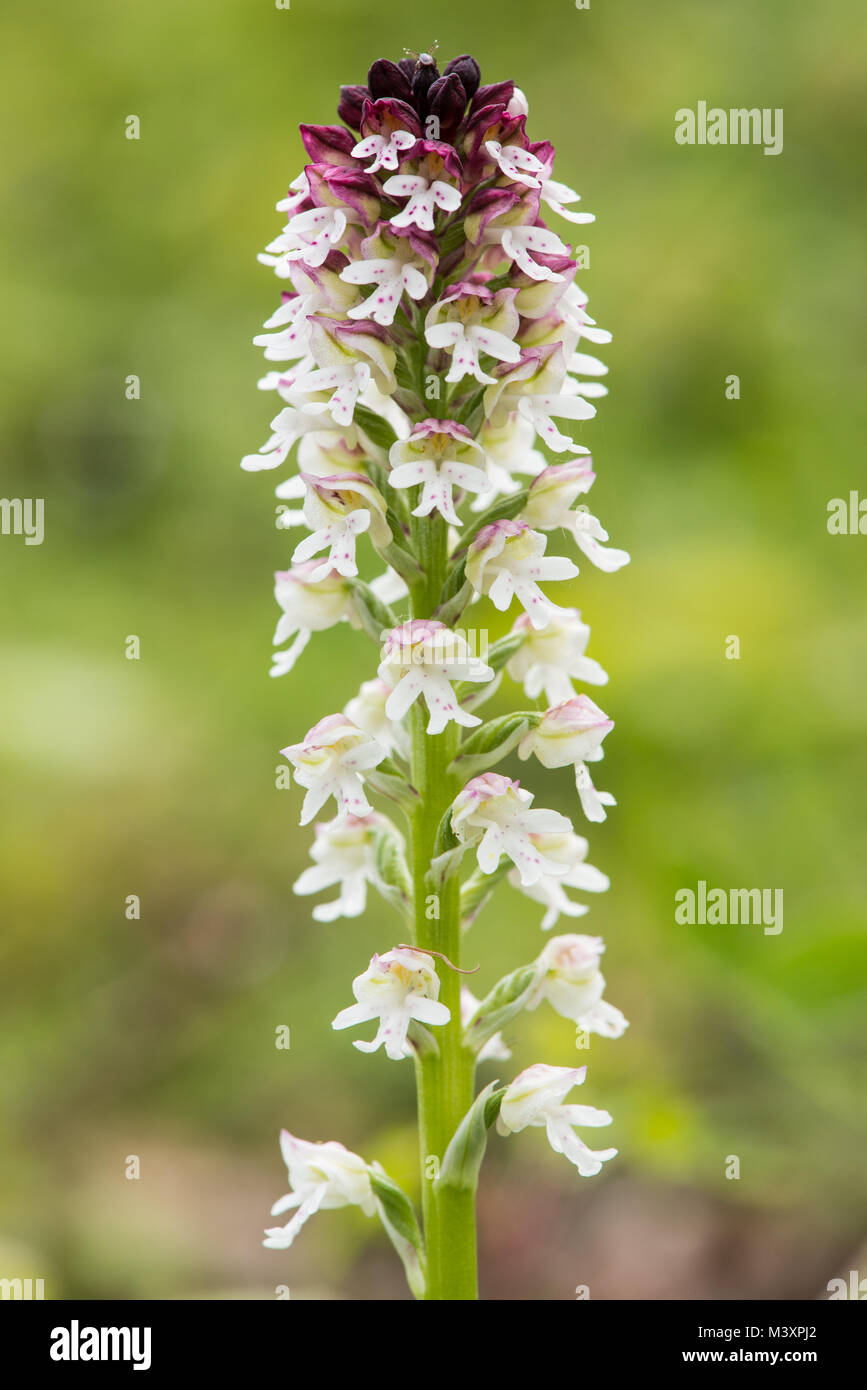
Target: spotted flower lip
{"type": "Point", "coordinates": [507, 559]}
{"type": "Point", "coordinates": [494, 813]}
{"type": "Point", "coordinates": [473, 320]}
{"type": "Point", "coordinates": [429, 188]}
{"type": "Point", "coordinates": [516, 161]}
{"type": "Point", "coordinates": [421, 658]}
{"type": "Point", "coordinates": [438, 456]}
{"type": "Point", "coordinates": [316, 290]}
{"type": "Point", "coordinates": [397, 988]}
{"type": "Point", "coordinates": [525, 240]}
{"type": "Point", "coordinates": [337, 198]}
{"type": "Point", "coordinates": [286, 429]}
{"type": "Point", "coordinates": [330, 761]}
{"type": "Point", "coordinates": [338, 509]}
{"type": "Point", "coordinates": [571, 734]}
{"type": "Point", "coordinates": [309, 236]}
{"type": "Point", "coordinates": [534, 386]}
{"type": "Point", "coordinates": [532, 167]}
{"type": "Point", "coordinates": [536, 1097]}
{"type": "Point", "coordinates": [351, 356]}
{"type": "Point", "coordinates": [388, 127]}
{"type": "Point", "coordinates": [397, 261]}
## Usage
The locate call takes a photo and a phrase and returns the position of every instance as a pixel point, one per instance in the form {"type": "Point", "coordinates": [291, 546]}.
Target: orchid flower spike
{"type": "Point", "coordinates": [432, 356]}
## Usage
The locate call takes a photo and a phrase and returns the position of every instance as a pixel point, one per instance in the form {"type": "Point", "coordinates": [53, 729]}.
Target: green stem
{"type": "Point", "coordinates": [446, 1079]}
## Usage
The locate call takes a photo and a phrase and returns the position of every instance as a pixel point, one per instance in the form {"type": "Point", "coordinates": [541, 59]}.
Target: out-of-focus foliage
{"type": "Point", "coordinates": [155, 1037]}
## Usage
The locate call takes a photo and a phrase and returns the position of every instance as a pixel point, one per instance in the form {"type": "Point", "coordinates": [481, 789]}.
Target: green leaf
{"type": "Point", "coordinates": [397, 1215]}
{"type": "Point", "coordinates": [496, 657]}
{"type": "Point", "coordinates": [508, 997]}
{"type": "Point", "coordinates": [376, 616]}
{"type": "Point", "coordinates": [401, 560]}
{"type": "Point", "coordinates": [378, 475]}
{"type": "Point", "coordinates": [389, 857]}
{"type": "Point", "coordinates": [422, 1039]}
{"type": "Point", "coordinates": [453, 583]}
{"type": "Point", "coordinates": [451, 610]}
{"type": "Point", "coordinates": [504, 649]}
{"type": "Point", "coordinates": [477, 890]}
{"type": "Point", "coordinates": [473, 412]}
{"type": "Point", "coordinates": [448, 851]}
{"type": "Point", "coordinates": [445, 837]}
{"type": "Point", "coordinates": [491, 742]}
{"type": "Point", "coordinates": [480, 693]}
{"type": "Point", "coordinates": [376, 427]}
{"type": "Point", "coordinates": [463, 1157]}
{"type": "Point", "coordinates": [389, 781]}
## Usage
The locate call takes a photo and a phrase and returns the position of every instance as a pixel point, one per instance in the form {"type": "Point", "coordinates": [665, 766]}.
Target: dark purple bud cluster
{"type": "Point", "coordinates": [419, 87]}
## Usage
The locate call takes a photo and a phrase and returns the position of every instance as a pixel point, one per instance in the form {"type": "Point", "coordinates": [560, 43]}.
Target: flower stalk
{"type": "Point", "coordinates": [444, 1079]}
{"type": "Point", "coordinates": [427, 354]}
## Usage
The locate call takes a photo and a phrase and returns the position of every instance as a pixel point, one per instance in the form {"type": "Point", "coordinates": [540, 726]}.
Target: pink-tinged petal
{"type": "Point", "coordinates": [345, 188]}
{"type": "Point", "coordinates": [327, 144]}
{"type": "Point", "coordinates": [494, 94]}
{"type": "Point", "coordinates": [390, 116]}
{"type": "Point", "coordinates": [487, 205]}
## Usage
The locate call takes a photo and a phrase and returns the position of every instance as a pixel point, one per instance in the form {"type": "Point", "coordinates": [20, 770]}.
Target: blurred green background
{"type": "Point", "coordinates": [156, 777]}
